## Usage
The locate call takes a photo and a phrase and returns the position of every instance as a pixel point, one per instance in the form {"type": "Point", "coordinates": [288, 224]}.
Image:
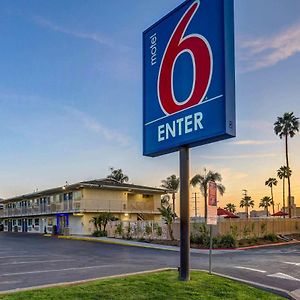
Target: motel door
{"type": "Point", "coordinates": [24, 225]}
{"type": "Point", "coordinates": [10, 225]}
{"type": "Point", "coordinates": [62, 222]}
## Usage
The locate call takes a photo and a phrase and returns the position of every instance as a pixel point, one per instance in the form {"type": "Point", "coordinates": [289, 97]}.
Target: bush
{"type": "Point", "coordinates": [227, 241]}
{"type": "Point", "coordinates": [158, 230]}
{"type": "Point", "coordinates": [99, 233]}
{"type": "Point", "coordinates": [119, 229]}
{"type": "Point", "coordinates": [271, 237]}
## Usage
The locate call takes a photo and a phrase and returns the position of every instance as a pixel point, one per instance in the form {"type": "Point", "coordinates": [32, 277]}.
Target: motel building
{"type": "Point", "coordinates": [69, 209]}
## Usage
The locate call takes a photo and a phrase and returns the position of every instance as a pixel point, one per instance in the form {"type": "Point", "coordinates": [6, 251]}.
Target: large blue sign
{"type": "Point", "coordinates": [189, 93]}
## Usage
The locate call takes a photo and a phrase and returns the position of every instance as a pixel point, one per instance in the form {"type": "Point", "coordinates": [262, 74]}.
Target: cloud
{"type": "Point", "coordinates": [95, 126]}
{"type": "Point", "coordinates": [96, 37]}
{"type": "Point", "coordinates": [239, 156]}
{"type": "Point", "coordinates": [253, 142]}
{"type": "Point", "coordinates": [263, 52]}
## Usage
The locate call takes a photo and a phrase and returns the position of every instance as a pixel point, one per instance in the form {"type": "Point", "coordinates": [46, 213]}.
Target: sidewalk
{"type": "Point", "coordinates": [143, 244]}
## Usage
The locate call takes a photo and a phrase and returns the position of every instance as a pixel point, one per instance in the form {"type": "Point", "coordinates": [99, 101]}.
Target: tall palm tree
{"type": "Point", "coordinates": [270, 183]}
{"type": "Point", "coordinates": [118, 175]}
{"type": "Point", "coordinates": [247, 202]}
{"type": "Point", "coordinates": [285, 127]}
{"type": "Point", "coordinates": [283, 172]}
{"type": "Point", "coordinates": [203, 181]}
{"type": "Point", "coordinates": [171, 183]}
{"type": "Point", "coordinates": [265, 203]}
{"type": "Point", "coordinates": [230, 207]}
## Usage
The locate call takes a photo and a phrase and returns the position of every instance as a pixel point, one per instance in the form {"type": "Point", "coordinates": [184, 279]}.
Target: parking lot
{"type": "Point", "coordinates": [32, 260]}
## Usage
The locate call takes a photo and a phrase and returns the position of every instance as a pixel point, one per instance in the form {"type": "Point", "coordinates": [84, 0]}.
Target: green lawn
{"type": "Point", "coordinates": [162, 285]}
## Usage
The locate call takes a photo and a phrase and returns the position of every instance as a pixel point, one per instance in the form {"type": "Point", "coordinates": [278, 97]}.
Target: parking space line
{"type": "Point", "coordinates": [250, 269]}
{"type": "Point", "coordinates": [35, 261]}
{"type": "Point", "coordinates": [18, 256]}
{"type": "Point", "coordinates": [284, 276]}
{"type": "Point", "coordinates": [57, 270]}
{"type": "Point", "coordinates": [291, 263]}
{"type": "Point", "coordinates": [9, 282]}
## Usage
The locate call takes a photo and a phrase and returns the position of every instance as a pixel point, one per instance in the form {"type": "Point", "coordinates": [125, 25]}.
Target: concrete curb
{"type": "Point", "coordinates": [175, 248]}
{"type": "Point", "coordinates": [78, 282]}
{"type": "Point", "coordinates": [274, 290]}
{"type": "Point", "coordinates": [87, 239]}
{"type": "Point", "coordinates": [145, 245]}
{"type": "Point", "coordinates": [277, 291]}
{"type": "Point", "coordinates": [269, 245]}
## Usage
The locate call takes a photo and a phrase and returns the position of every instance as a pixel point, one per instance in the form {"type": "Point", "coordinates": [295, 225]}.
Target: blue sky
{"type": "Point", "coordinates": [71, 94]}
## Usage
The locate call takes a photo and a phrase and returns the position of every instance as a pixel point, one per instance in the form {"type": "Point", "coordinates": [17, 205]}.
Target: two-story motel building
{"type": "Point", "coordinates": [71, 207]}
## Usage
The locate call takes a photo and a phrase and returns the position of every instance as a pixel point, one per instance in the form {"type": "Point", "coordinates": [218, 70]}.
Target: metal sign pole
{"type": "Point", "coordinates": [184, 215]}
{"type": "Point", "coordinates": [210, 248]}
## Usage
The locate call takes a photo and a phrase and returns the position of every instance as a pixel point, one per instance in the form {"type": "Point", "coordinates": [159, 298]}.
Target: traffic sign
{"type": "Point", "coordinates": [188, 64]}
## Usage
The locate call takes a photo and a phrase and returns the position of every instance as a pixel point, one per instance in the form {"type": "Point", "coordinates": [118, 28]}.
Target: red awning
{"type": "Point", "coordinates": [225, 213]}
{"type": "Point", "coordinates": [280, 214]}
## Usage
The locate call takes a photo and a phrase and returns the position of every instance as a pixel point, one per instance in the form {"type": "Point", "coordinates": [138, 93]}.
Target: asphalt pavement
{"type": "Point", "coordinates": [32, 260]}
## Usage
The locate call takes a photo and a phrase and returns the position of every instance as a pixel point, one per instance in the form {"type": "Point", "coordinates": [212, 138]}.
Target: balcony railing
{"type": "Point", "coordinates": [114, 206]}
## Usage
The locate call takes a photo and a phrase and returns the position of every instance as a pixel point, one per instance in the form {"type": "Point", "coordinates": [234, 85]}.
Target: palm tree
{"type": "Point", "coordinates": [171, 183]}
{"type": "Point", "coordinates": [265, 203]}
{"type": "Point", "coordinates": [272, 182]}
{"type": "Point", "coordinates": [118, 175]}
{"type": "Point", "coordinates": [247, 202]}
{"type": "Point", "coordinates": [230, 207]}
{"type": "Point", "coordinates": [169, 216]}
{"type": "Point", "coordinates": [287, 126]}
{"type": "Point", "coordinates": [203, 182]}
{"type": "Point", "coordinates": [283, 172]}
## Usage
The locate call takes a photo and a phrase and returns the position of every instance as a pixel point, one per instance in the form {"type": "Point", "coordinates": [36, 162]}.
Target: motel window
{"type": "Point", "coordinates": [36, 222]}
{"type": "Point", "coordinates": [77, 195]}
{"type": "Point", "coordinates": [19, 222]}
{"type": "Point", "coordinates": [29, 222]}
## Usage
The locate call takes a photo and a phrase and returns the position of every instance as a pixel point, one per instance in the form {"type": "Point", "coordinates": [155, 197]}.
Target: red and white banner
{"type": "Point", "coordinates": [212, 216]}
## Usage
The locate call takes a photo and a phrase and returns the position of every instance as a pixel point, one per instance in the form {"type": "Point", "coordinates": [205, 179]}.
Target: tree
{"type": "Point", "coordinates": [203, 181]}
{"type": "Point", "coordinates": [247, 202]}
{"type": "Point", "coordinates": [169, 216]}
{"type": "Point", "coordinates": [102, 219]}
{"type": "Point", "coordinates": [285, 127]}
{"type": "Point", "coordinates": [283, 172]}
{"type": "Point", "coordinates": [171, 183]}
{"type": "Point", "coordinates": [230, 207]}
{"type": "Point", "coordinates": [272, 182]}
{"type": "Point", "coordinates": [265, 203]}
{"type": "Point", "coordinates": [118, 175]}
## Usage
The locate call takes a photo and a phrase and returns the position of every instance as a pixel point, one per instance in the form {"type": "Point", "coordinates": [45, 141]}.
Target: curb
{"type": "Point", "coordinates": [268, 245]}
{"type": "Point", "coordinates": [145, 245]}
{"type": "Point", "coordinates": [78, 282]}
{"type": "Point", "coordinates": [277, 291]}
{"type": "Point", "coordinates": [114, 243]}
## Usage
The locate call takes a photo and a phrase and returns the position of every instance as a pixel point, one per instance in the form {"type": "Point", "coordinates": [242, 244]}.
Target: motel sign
{"type": "Point", "coordinates": [188, 79]}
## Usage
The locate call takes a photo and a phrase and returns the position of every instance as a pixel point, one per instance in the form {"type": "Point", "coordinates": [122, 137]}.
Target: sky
{"type": "Point", "coordinates": [71, 95]}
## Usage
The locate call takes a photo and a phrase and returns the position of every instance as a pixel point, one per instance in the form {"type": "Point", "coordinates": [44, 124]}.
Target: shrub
{"type": "Point", "coordinates": [128, 232]}
{"type": "Point", "coordinates": [271, 237]}
{"type": "Point", "coordinates": [119, 229]}
{"type": "Point", "coordinates": [158, 230]}
{"type": "Point", "coordinates": [148, 229]}
{"type": "Point", "coordinates": [99, 233]}
{"type": "Point", "coordinates": [227, 241]}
